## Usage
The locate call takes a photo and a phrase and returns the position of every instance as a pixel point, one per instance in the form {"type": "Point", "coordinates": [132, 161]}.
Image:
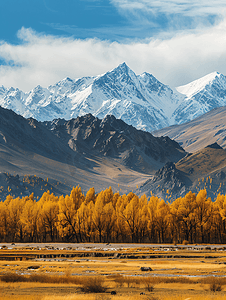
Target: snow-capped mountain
{"type": "Point", "coordinates": [201, 96]}
{"type": "Point", "coordinates": [139, 100]}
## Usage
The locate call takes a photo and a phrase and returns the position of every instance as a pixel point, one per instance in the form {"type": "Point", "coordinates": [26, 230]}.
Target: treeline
{"type": "Point", "coordinates": [111, 217]}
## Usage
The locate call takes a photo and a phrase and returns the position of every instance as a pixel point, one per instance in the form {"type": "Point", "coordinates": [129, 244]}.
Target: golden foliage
{"type": "Point", "coordinates": [111, 217]}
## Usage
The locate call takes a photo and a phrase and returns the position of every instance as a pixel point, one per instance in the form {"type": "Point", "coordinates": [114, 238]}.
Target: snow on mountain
{"type": "Point", "coordinates": [201, 96]}
{"type": "Point", "coordinates": [139, 100]}
{"type": "Point", "coordinates": [198, 85]}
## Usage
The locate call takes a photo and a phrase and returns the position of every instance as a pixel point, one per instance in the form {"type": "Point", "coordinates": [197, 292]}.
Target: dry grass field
{"type": "Point", "coordinates": [148, 273]}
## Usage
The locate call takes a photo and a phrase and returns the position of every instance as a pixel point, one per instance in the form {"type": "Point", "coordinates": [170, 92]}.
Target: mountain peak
{"type": "Point", "coordinates": [196, 86]}
{"type": "Point", "coordinates": [123, 69]}
{"type": "Point", "coordinates": [38, 88]}
{"type": "Point", "coordinates": [122, 66]}
{"type": "Point", "coordinates": [139, 100]}
{"type": "Point", "coordinates": [68, 79]}
{"type": "Point", "coordinates": [65, 81]}
{"type": "Point", "coordinates": [214, 146]}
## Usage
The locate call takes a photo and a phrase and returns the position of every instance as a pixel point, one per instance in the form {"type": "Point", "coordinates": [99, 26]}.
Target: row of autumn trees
{"type": "Point", "coordinates": [111, 217]}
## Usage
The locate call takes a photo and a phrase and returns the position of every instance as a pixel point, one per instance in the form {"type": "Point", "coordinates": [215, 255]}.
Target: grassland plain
{"type": "Point", "coordinates": [148, 272]}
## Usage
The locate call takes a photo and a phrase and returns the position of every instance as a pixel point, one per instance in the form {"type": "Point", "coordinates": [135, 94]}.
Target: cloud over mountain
{"type": "Point", "coordinates": [44, 59]}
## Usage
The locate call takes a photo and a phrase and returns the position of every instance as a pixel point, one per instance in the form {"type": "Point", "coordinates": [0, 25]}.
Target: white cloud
{"type": "Point", "coordinates": [44, 60]}
{"type": "Point", "coordinates": [171, 15]}
{"type": "Point", "coordinates": [186, 7]}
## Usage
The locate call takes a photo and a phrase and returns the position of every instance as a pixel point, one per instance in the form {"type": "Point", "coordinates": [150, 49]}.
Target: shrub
{"type": "Point", "coordinates": [129, 281]}
{"type": "Point", "coordinates": [93, 285]}
{"type": "Point", "coordinates": [215, 286]}
{"type": "Point", "coordinates": [12, 277]}
{"type": "Point", "coordinates": [42, 278]}
{"type": "Point", "coordinates": [118, 279]}
{"type": "Point", "coordinates": [148, 282]}
{"type": "Point", "coordinates": [215, 283]}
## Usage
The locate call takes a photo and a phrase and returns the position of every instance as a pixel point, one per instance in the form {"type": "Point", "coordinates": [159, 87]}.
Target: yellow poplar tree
{"type": "Point", "coordinates": [4, 221]}
{"type": "Point", "coordinates": [202, 212]}
{"type": "Point", "coordinates": [68, 207]}
{"type": "Point", "coordinates": [29, 218]}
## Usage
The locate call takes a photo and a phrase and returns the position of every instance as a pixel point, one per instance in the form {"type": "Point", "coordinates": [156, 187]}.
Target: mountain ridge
{"type": "Point", "coordinates": [139, 100]}
{"type": "Point", "coordinates": [200, 132]}
{"type": "Point", "coordinates": [85, 151]}
{"type": "Point", "coordinates": [204, 169]}
{"type": "Point", "coordinates": [111, 137]}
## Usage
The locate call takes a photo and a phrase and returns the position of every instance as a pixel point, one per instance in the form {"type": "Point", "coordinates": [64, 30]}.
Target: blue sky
{"type": "Point", "coordinates": [43, 41]}
{"type": "Point", "coordinates": [70, 17]}
{"type": "Point", "coordinates": [104, 19]}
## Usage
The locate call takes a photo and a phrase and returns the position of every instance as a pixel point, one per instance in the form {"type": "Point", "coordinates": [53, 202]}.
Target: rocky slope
{"type": "Point", "coordinates": [200, 132]}
{"type": "Point", "coordinates": [113, 138]}
{"type": "Point", "coordinates": [204, 169]}
{"type": "Point", "coordinates": [85, 151]}
{"type": "Point", "coordinates": [167, 183]}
